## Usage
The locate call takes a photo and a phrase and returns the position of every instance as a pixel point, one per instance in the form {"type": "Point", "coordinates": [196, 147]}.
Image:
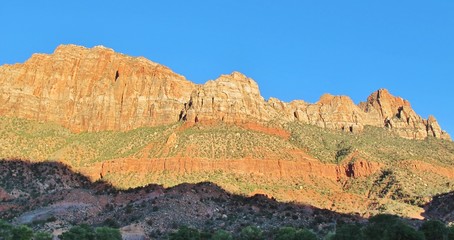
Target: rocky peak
{"type": "Point", "coordinates": [395, 113]}
{"type": "Point", "coordinates": [93, 89]}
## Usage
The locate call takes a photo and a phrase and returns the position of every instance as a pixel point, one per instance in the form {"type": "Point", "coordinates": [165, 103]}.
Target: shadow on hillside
{"type": "Point", "coordinates": [51, 195]}
{"type": "Point", "coordinates": [441, 207]}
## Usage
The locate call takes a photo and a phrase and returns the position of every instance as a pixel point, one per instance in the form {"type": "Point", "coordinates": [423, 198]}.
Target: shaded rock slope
{"type": "Point", "coordinates": [57, 198]}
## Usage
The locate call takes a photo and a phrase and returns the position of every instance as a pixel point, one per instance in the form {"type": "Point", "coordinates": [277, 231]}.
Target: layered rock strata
{"type": "Point", "coordinates": [97, 89]}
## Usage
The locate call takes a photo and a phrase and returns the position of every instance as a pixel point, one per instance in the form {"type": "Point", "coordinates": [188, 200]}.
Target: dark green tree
{"type": "Point", "coordinates": [378, 226]}
{"type": "Point", "coordinates": [185, 233]}
{"type": "Point", "coordinates": [402, 231]}
{"type": "Point", "coordinates": [80, 232]}
{"type": "Point", "coordinates": [42, 236]}
{"type": "Point", "coordinates": [434, 230]}
{"type": "Point", "coordinates": [251, 233]}
{"type": "Point", "coordinates": [22, 233]}
{"type": "Point", "coordinates": [348, 232]}
{"type": "Point", "coordinates": [450, 231]}
{"type": "Point", "coordinates": [107, 233]}
{"type": "Point", "coordinates": [6, 230]}
{"type": "Point", "coordinates": [222, 235]}
{"type": "Point", "coordinates": [304, 234]}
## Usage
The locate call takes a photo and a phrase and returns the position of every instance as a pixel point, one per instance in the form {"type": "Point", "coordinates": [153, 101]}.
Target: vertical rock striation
{"type": "Point", "coordinates": [97, 89]}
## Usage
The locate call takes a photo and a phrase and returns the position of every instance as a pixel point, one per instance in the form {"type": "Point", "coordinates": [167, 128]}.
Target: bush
{"type": "Point", "coordinates": [251, 233]}
{"type": "Point", "coordinates": [378, 225]}
{"type": "Point", "coordinates": [6, 230]}
{"type": "Point", "coordinates": [348, 232]}
{"type": "Point", "coordinates": [222, 235]}
{"type": "Point", "coordinates": [289, 233]}
{"type": "Point", "coordinates": [82, 231]}
{"type": "Point", "coordinates": [389, 227]}
{"type": "Point", "coordinates": [42, 236]}
{"type": "Point", "coordinates": [434, 230]}
{"type": "Point", "coordinates": [107, 233]}
{"type": "Point", "coordinates": [86, 232]}
{"type": "Point", "coordinates": [401, 230]}
{"type": "Point", "coordinates": [450, 231]}
{"type": "Point", "coordinates": [185, 233]}
{"type": "Point", "coordinates": [22, 233]}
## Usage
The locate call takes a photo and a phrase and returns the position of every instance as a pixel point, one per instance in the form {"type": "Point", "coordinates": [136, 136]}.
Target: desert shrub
{"type": "Point", "coordinates": [42, 236]}
{"type": "Point", "coordinates": [450, 231]}
{"type": "Point", "coordinates": [79, 232]}
{"type": "Point", "coordinates": [401, 230]}
{"type": "Point", "coordinates": [342, 151]}
{"type": "Point", "coordinates": [185, 233]}
{"type": "Point", "coordinates": [22, 233]}
{"type": "Point", "coordinates": [378, 225]}
{"type": "Point", "coordinates": [434, 230]}
{"type": "Point", "coordinates": [222, 235]}
{"type": "Point", "coordinates": [109, 222]}
{"type": "Point", "coordinates": [251, 233]}
{"type": "Point", "coordinates": [289, 233]}
{"type": "Point", "coordinates": [388, 227]}
{"type": "Point", "coordinates": [6, 230]}
{"type": "Point", "coordinates": [86, 232]}
{"type": "Point", "coordinates": [348, 232]}
{"type": "Point", "coordinates": [107, 233]}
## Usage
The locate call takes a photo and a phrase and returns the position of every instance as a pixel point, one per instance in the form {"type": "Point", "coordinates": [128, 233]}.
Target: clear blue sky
{"type": "Point", "coordinates": [293, 49]}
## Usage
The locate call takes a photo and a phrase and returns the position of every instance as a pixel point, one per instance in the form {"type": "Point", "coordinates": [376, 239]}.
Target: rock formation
{"type": "Point", "coordinates": [97, 89]}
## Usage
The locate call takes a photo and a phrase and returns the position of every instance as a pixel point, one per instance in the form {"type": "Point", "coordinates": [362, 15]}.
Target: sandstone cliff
{"type": "Point", "coordinates": [97, 89]}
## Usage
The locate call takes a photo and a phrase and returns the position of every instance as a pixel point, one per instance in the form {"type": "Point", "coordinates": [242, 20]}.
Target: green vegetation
{"type": "Point", "coordinates": [86, 232]}
{"type": "Point", "coordinates": [289, 233]}
{"type": "Point", "coordinates": [379, 227]}
{"type": "Point", "coordinates": [404, 188]}
{"type": "Point", "coordinates": [434, 230]}
{"type": "Point", "coordinates": [377, 144]}
{"type": "Point", "coordinates": [22, 232]}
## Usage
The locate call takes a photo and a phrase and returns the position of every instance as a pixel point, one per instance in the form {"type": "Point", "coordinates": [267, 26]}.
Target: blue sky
{"type": "Point", "coordinates": [293, 49]}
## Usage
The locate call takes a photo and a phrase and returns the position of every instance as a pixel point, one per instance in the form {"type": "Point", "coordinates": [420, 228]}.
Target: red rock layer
{"type": "Point", "coordinates": [97, 89]}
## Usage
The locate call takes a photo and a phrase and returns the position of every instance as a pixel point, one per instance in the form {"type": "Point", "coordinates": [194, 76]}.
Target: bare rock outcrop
{"type": "Point", "coordinates": [92, 89]}
{"type": "Point", "coordinates": [97, 89]}
{"type": "Point", "coordinates": [395, 113]}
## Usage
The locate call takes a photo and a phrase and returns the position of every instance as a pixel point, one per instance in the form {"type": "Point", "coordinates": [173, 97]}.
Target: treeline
{"type": "Point", "coordinates": [380, 227]}
{"type": "Point", "coordinates": [79, 232]}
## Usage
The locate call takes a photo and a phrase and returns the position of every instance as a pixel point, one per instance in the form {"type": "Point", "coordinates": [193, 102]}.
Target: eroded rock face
{"type": "Point", "coordinates": [92, 89]}
{"type": "Point", "coordinates": [97, 89]}
{"type": "Point", "coordinates": [395, 113]}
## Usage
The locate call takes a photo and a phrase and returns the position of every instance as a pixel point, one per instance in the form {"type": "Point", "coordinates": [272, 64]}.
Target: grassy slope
{"type": "Point", "coordinates": [45, 141]}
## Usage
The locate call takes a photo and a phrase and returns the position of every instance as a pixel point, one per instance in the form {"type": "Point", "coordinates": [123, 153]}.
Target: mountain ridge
{"type": "Point", "coordinates": [95, 89]}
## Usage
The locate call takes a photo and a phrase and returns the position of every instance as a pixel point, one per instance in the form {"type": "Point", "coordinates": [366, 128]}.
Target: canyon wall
{"type": "Point", "coordinates": [95, 89]}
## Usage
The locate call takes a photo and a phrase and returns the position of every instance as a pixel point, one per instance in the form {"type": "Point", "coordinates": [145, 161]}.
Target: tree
{"type": "Point", "coordinates": [42, 236]}
{"type": "Point", "coordinates": [22, 233]}
{"type": "Point", "coordinates": [185, 233]}
{"type": "Point", "coordinates": [251, 233]}
{"type": "Point", "coordinates": [304, 234]}
{"type": "Point", "coordinates": [222, 235]}
{"type": "Point", "coordinates": [107, 233]}
{"type": "Point", "coordinates": [79, 232]}
{"type": "Point", "coordinates": [348, 232]}
{"type": "Point", "coordinates": [378, 225]}
{"type": "Point", "coordinates": [434, 230]}
{"type": "Point", "coordinates": [402, 231]}
{"type": "Point", "coordinates": [450, 231]}
{"type": "Point", "coordinates": [390, 227]}
{"type": "Point", "coordinates": [6, 230]}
